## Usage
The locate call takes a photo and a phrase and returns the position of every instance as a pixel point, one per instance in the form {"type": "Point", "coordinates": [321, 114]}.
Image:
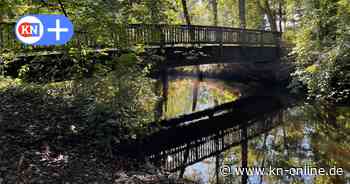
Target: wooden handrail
{"type": "Point", "coordinates": [156, 34]}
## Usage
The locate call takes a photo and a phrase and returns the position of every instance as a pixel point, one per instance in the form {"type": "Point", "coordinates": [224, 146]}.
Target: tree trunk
{"type": "Point", "coordinates": [165, 89]}
{"type": "Point", "coordinates": [185, 11]}
{"type": "Point", "coordinates": [62, 8]}
{"type": "Point", "coordinates": [280, 14]}
{"type": "Point", "coordinates": [271, 15]}
{"type": "Point", "coordinates": [158, 113]}
{"type": "Point", "coordinates": [214, 4]}
{"type": "Point", "coordinates": [242, 14]}
{"type": "Point", "coordinates": [195, 93]}
{"type": "Point", "coordinates": [188, 19]}
{"type": "Point", "coordinates": [156, 16]}
{"type": "Point", "coordinates": [262, 18]}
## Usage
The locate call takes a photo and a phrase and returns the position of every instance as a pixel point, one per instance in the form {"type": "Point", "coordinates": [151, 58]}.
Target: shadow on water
{"type": "Point", "coordinates": [204, 124]}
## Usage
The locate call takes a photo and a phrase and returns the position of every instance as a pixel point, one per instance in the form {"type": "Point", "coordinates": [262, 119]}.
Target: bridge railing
{"type": "Point", "coordinates": [199, 149]}
{"type": "Point", "coordinates": [183, 34]}
{"type": "Point", "coordinates": [8, 40]}
{"type": "Point", "coordinates": [153, 35]}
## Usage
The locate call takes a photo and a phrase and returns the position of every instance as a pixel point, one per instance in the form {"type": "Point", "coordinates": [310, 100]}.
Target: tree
{"type": "Point", "coordinates": [62, 8]}
{"type": "Point", "coordinates": [185, 11]}
{"type": "Point", "coordinates": [214, 4]}
{"type": "Point", "coordinates": [266, 7]}
{"type": "Point", "coordinates": [280, 14]}
{"type": "Point", "coordinates": [322, 49]}
{"type": "Point", "coordinates": [242, 14]}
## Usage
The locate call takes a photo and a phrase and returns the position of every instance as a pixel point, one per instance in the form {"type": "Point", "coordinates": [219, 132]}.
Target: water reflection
{"type": "Point", "coordinates": [185, 95]}
{"type": "Point", "coordinates": [260, 131]}
{"type": "Point", "coordinates": [314, 135]}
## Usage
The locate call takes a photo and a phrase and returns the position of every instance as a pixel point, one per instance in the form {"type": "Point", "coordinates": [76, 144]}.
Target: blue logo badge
{"type": "Point", "coordinates": [44, 30]}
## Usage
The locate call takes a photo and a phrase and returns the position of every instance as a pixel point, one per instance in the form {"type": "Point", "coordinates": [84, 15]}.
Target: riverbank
{"type": "Point", "coordinates": [45, 139]}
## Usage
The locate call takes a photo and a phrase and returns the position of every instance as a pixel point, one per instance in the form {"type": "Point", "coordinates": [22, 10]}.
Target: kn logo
{"type": "Point", "coordinates": [44, 30]}
{"type": "Point", "coordinates": [29, 30]}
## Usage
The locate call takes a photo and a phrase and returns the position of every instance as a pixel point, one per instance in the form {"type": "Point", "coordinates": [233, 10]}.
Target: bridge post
{"type": "Point", "coordinates": [261, 39]}
{"type": "Point", "coordinates": [187, 152]}
{"type": "Point", "coordinates": [261, 45]}
{"type": "Point", "coordinates": [221, 42]}
{"type": "Point", "coordinates": [162, 37]}
{"type": "Point", "coordinates": [278, 44]}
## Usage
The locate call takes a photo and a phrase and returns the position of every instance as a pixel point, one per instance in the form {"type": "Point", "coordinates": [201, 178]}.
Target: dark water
{"type": "Point", "coordinates": [292, 134]}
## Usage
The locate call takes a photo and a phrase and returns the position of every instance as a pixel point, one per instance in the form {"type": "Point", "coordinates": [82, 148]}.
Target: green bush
{"type": "Point", "coordinates": [322, 50]}
{"type": "Point", "coordinates": [113, 105]}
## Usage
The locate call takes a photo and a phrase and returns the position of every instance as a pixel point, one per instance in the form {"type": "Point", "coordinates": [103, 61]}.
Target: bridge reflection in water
{"type": "Point", "coordinates": [186, 139]}
{"type": "Point", "coordinates": [195, 150]}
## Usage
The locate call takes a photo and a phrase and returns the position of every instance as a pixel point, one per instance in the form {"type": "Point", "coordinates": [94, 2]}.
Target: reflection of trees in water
{"type": "Point", "coordinates": [187, 95]}
{"type": "Point", "coordinates": [316, 135]}
{"type": "Point", "coordinates": [194, 148]}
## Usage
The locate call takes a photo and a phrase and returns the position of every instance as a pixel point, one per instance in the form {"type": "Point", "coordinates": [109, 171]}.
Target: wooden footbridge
{"type": "Point", "coordinates": [221, 44]}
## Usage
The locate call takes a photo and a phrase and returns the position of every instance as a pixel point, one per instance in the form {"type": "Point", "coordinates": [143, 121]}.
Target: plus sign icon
{"type": "Point", "coordinates": [44, 30]}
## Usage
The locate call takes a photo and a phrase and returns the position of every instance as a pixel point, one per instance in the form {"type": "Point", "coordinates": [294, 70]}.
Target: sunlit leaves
{"type": "Point", "coordinates": [311, 69]}
{"type": "Point", "coordinates": [321, 49]}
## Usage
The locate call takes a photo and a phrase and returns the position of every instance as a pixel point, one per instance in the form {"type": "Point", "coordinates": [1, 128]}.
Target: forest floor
{"type": "Point", "coordinates": [40, 142]}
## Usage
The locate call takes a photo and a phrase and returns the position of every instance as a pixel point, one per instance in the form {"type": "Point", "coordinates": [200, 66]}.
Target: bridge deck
{"type": "Point", "coordinates": [152, 35]}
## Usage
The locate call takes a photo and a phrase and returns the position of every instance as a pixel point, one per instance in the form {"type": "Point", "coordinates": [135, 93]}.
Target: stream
{"type": "Point", "coordinates": [271, 129]}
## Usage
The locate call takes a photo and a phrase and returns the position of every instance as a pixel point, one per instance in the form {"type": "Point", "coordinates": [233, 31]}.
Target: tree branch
{"type": "Point", "coordinates": [62, 8]}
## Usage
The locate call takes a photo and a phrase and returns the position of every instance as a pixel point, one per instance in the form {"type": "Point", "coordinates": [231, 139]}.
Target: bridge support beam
{"type": "Point", "coordinates": [220, 54]}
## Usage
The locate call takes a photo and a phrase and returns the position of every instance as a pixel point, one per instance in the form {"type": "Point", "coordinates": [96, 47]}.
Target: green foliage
{"type": "Point", "coordinates": [128, 59]}
{"type": "Point", "coordinates": [115, 105]}
{"type": "Point", "coordinates": [322, 50]}
{"type": "Point", "coordinates": [126, 91]}
{"type": "Point", "coordinates": [113, 92]}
